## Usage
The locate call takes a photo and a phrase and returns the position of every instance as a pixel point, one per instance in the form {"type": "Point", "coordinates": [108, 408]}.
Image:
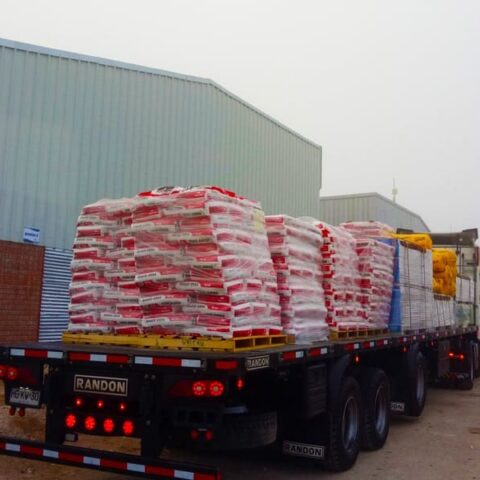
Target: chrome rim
{"type": "Point", "coordinates": [350, 423]}
{"type": "Point", "coordinates": [380, 409]}
{"type": "Point", "coordinates": [420, 383]}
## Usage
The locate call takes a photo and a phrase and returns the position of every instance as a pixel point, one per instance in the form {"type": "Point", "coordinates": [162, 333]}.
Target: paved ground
{"type": "Point", "coordinates": [444, 443]}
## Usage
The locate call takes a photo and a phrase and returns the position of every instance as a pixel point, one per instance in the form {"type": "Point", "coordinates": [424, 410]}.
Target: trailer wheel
{"type": "Point", "coordinates": [345, 427]}
{"type": "Point", "coordinates": [417, 385]}
{"type": "Point", "coordinates": [376, 408]}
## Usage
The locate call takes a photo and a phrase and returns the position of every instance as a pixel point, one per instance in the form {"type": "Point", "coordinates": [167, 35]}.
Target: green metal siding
{"type": "Point", "coordinates": [74, 129]}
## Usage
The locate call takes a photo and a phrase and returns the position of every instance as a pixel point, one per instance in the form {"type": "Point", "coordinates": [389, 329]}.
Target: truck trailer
{"type": "Point", "coordinates": [322, 402]}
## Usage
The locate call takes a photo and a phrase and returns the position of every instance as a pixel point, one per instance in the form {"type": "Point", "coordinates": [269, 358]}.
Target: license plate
{"type": "Point", "coordinates": [25, 396]}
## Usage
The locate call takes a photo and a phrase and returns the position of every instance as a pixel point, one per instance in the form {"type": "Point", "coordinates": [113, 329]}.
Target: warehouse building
{"type": "Point", "coordinates": [369, 206]}
{"type": "Point", "coordinates": [74, 129]}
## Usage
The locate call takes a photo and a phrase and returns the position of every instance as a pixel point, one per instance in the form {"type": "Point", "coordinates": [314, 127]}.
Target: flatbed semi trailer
{"type": "Point", "coordinates": [323, 401]}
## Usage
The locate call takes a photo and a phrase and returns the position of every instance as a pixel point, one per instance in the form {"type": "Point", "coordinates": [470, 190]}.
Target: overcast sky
{"type": "Point", "coordinates": [388, 88]}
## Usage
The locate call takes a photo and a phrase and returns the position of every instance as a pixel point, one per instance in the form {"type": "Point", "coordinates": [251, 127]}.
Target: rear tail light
{"type": "Point", "coordinates": [12, 373]}
{"type": "Point", "coordinates": [240, 383]}
{"type": "Point", "coordinates": [128, 427]}
{"type": "Point", "coordinates": [100, 404]}
{"type": "Point", "coordinates": [108, 425]}
{"type": "Point", "coordinates": [79, 402]}
{"type": "Point", "coordinates": [216, 389]}
{"type": "Point", "coordinates": [90, 423]}
{"type": "Point", "coordinates": [122, 406]}
{"type": "Point", "coordinates": [70, 420]}
{"type": "Point", "coordinates": [208, 435]}
{"type": "Point", "coordinates": [199, 388]}
{"type": "Point", "coordinates": [3, 371]}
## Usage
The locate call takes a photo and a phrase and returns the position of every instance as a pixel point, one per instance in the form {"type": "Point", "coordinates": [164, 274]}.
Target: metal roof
{"type": "Point", "coordinates": [373, 196]}
{"type": "Point", "coordinates": [27, 47]}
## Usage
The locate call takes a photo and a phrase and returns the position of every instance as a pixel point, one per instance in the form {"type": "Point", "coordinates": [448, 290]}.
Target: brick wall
{"type": "Point", "coordinates": [21, 269]}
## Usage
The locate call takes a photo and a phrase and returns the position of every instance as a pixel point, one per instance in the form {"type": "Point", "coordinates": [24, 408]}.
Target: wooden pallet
{"type": "Point", "coordinates": [212, 344]}
{"type": "Point", "coordinates": [350, 333]}
{"type": "Point", "coordinates": [377, 332]}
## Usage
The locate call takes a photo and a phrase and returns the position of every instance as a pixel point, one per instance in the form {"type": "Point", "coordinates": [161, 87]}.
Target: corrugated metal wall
{"type": "Point", "coordinates": [73, 129]}
{"type": "Point", "coordinates": [55, 297]}
{"type": "Point", "coordinates": [369, 206]}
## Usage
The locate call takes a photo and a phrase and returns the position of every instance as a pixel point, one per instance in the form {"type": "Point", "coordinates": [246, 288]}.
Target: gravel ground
{"type": "Point", "coordinates": [443, 443]}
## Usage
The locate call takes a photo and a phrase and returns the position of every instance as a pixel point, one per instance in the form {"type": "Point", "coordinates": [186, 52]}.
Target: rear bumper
{"type": "Point", "coordinates": [107, 461]}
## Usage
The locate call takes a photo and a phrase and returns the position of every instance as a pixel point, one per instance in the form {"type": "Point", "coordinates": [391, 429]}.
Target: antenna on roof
{"type": "Point", "coordinates": [394, 192]}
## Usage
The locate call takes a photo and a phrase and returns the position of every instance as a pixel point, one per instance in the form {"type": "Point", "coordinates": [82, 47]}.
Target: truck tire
{"type": "Point", "coordinates": [416, 385]}
{"type": "Point", "coordinates": [344, 427]}
{"type": "Point", "coordinates": [247, 431]}
{"type": "Point", "coordinates": [468, 367]}
{"type": "Point", "coordinates": [375, 388]}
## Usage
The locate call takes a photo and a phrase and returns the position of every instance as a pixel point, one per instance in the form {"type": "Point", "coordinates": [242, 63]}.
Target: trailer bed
{"type": "Point", "coordinates": [58, 352]}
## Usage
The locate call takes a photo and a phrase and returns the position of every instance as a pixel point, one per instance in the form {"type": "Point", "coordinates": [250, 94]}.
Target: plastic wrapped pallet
{"type": "Point", "coordinates": [295, 249]}
{"type": "Point", "coordinates": [371, 229]}
{"type": "Point", "coordinates": [464, 290]}
{"type": "Point", "coordinates": [376, 259]}
{"type": "Point", "coordinates": [444, 311]}
{"type": "Point", "coordinates": [203, 264]}
{"type": "Point", "coordinates": [347, 295]}
{"type": "Point", "coordinates": [100, 260]}
{"type": "Point", "coordinates": [413, 305]}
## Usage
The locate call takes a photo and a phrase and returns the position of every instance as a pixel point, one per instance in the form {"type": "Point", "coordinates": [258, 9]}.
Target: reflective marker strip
{"type": "Point", "coordinates": [17, 352]}
{"type": "Point", "coordinates": [91, 461]}
{"type": "Point", "coordinates": [135, 467]}
{"type": "Point", "coordinates": [94, 357]}
{"type": "Point", "coordinates": [316, 352]}
{"type": "Point", "coordinates": [97, 357]}
{"type": "Point", "coordinates": [182, 474]}
{"type": "Point", "coordinates": [50, 453]}
{"type": "Point", "coordinates": [169, 362]}
{"type": "Point", "coordinates": [12, 447]}
{"type": "Point", "coordinates": [109, 463]}
{"type": "Point", "coordinates": [28, 352]}
{"type": "Point", "coordinates": [293, 355]}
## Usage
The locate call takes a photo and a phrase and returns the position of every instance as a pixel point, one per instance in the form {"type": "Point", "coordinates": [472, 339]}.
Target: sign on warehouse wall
{"type": "Point", "coordinates": [31, 235]}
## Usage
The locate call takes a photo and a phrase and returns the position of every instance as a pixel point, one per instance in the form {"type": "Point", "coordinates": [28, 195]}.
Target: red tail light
{"type": "Point", "coordinates": [90, 423]}
{"type": "Point", "coordinates": [122, 406]}
{"type": "Point", "coordinates": [194, 434]}
{"type": "Point", "coordinates": [3, 371]}
{"type": "Point", "coordinates": [100, 404]}
{"type": "Point", "coordinates": [70, 420]}
{"type": "Point", "coordinates": [79, 402]}
{"type": "Point", "coordinates": [12, 373]}
{"type": "Point", "coordinates": [216, 389]}
{"type": "Point", "coordinates": [108, 425]}
{"type": "Point", "coordinates": [240, 383]}
{"type": "Point", "coordinates": [128, 427]}
{"type": "Point", "coordinates": [199, 389]}
{"type": "Point", "coordinates": [208, 435]}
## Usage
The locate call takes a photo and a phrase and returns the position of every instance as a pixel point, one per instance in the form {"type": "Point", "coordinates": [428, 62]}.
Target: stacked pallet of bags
{"type": "Point", "coordinates": [375, 251]}
{"type": "Point", "coordinates": [103, 259]}
{"type": "Point", "coordinates": [295, 249]}
{"type": "Point", "coordinates": [413, 306]}
{"type": "Point", "coordinates": [345, 292]}
{"type": "Point", "coordinates": [203, 264]}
